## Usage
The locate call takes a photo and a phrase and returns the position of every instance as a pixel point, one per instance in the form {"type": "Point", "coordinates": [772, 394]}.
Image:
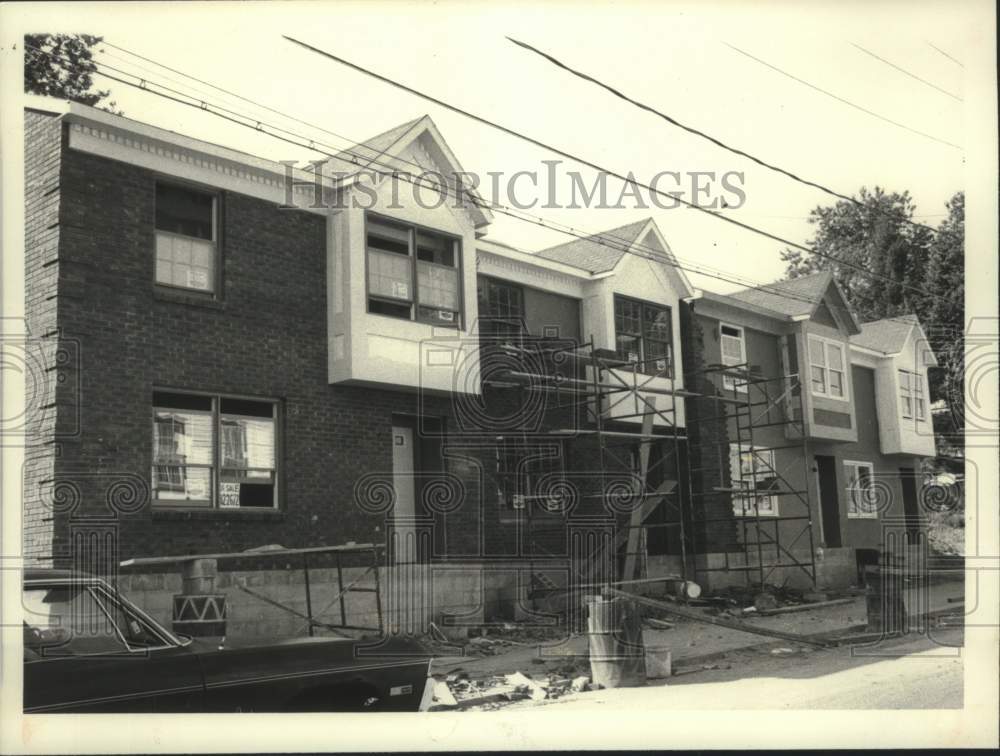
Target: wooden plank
{"type": "Point", "coordinates": [731, 624]}
{"type": "Point", "coordinates": [637, 516]}
{"type": "Point", "coordinates": [180, 558]}
{"type": "Point", "coordinates": [807, 607]}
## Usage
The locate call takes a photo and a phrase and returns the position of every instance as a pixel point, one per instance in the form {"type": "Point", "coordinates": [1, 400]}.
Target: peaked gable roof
{"type": "Point", "coordinates": [593, 253]}
{"type": "Point", "coordinates": [373, 148]}
{"type": "Point", "coordinates": [384, 150]}
{"type": "Point", "coordinates": [604, 251]}
{"type": "Point", "coordinates": [800, 297]}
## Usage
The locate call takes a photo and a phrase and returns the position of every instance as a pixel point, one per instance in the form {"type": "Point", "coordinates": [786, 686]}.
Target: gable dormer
{"type": "Point", "coordinates": [822, 342]}
{"type": "Point", "coordinates": [401, 266]}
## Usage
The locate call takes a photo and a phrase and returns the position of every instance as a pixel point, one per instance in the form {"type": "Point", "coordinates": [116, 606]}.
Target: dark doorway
{"type": "Point", "coordinates": [911, 509]}
{"type": "Point", "coordinates": [829, 500]}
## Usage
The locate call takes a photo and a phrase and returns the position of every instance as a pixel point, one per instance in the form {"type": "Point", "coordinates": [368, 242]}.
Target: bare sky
{"type": "Point", "coordinates": [673, 56]}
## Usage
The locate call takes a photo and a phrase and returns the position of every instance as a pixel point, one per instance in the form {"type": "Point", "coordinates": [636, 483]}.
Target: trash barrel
{"type": "Point", "coordinates": [617, 658]}
{"type": "Point", "coordinates": [884, 601]}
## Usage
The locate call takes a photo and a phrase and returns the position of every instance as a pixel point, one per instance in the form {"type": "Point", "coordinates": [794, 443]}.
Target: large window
{"type": "Point", "coordinates": [501, 310]}
{"type": "Point", "coordinates": [186, 238]}
{"type": "Point", "coordinates": [732, 342]}
{"type": "Point", "coordinates": [911, 395]}
{"type": "Point", "coordinates": [753, 478]}
{"type": "Point", "coordinates": [214, 452]}
{"type": "Point", "coordinates": [826, 368]}
{"type": "Point", "coordinates": [861, 500]}
{"type": "Point", "coordinates": [643, 336]}
{"type": "Point", "coordinates": [413, 273]}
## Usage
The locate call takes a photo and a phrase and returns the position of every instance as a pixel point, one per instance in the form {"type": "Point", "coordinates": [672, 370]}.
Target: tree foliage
{"type": "Point", "coordinates": [62, 65]}
{"type": "Point", "coordinates": [904, 268]}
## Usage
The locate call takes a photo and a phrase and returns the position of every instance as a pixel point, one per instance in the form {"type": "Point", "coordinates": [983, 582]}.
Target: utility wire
{"type": "Point", "coordinates": [669, 119]}
{"type": "Point", "coordinates": [841, 99]}
{"type": "Point", "coordinates": [908, 73]}
{"type": "Point", "coordinates": [949, 57]}
{"type": "Point", "coordinates": [602, 239]}
{"type": "Point", "coordinates": [583, 161]}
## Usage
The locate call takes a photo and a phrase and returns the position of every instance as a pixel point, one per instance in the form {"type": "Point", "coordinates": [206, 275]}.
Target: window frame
{"type": "Point", "coordinates": [745, 511]}
{"type": "Point", "coordinates": [509, 322]}
{"type": "Point", "coordinates": [825, 367]}
{"type": "Point", "coordinates": [641, 365]}
{"type": "Point", "coordinates": [728, 380]}
{"type": "Point", "coordinates": [857, 514]}
{"type": "Point", "coordinates": [216, 466]}
{"type": "Point", "coordinates": [217, 225]}
{"type": "Point", "coordinates": [412, 230]}
{"type": "Point", "coordinates": [913, 393]}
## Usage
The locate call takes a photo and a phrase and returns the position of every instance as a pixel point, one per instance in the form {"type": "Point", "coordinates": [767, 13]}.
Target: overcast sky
{"type": "Point", "coordinates": [672, 56]}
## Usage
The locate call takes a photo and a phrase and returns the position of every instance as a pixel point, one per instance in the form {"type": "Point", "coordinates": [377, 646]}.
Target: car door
{"type": "Point", "coordinates": [87, 652]}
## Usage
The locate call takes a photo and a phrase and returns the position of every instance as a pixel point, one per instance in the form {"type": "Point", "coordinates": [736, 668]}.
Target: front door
{"type": "Point", "coordinates": [911, 509]}
{"type": "Point", "coordinates": [829, 499]}
{"type": "Point", "coordinates": [403, 466]}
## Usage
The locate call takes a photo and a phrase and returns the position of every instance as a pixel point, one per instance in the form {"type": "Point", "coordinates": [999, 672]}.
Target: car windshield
{"type": "Point", "coordinates": [77, 619]}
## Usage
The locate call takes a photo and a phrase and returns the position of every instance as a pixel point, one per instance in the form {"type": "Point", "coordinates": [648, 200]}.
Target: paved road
{"type": "Point", "coordinates": [928, 676]}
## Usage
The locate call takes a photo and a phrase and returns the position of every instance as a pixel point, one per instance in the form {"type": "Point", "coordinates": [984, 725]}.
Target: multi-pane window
{"type": "Point", "coordinates": [911, 395]}
{"type": "Point", "coordinates": [753, 478]}
{"type": "Point", "coordinates": [501, 310]}
{"type": "Point", "coordinates": [643, 336]}
{"type": "Point", "coordinates": [186, 238]}
{"type": "Point", "coordinates": [732, 342]}
{"type": "Point", "coordinates": [826, 368]}
{"type": "Point", "coordinates": [413, 273]}
{"type": "Point", "coordinates": [213, 451]}
{"type": "Point", "coordinates": [861, 499]}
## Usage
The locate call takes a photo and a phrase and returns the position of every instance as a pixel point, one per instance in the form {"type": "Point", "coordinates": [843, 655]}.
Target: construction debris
{"type": "Point", "coordinates": [731, 624]}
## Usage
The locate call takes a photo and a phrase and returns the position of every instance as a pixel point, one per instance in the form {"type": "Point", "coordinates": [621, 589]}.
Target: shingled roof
{"type": "Point", "coordinates": [792, 297]}
{"type": "Point", "coordinates": [887, 336]}
{"type": "Point", "coordinates": [372, 149]}
{"type": "Point", "coordinates": [593, 253]}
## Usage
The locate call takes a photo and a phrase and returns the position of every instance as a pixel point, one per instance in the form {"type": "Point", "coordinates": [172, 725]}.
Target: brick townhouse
{"type": "Point", "coordinates": [223, 372]}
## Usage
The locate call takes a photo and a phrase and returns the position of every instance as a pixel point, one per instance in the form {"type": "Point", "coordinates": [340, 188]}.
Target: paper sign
{"type": "Point", "coordinates": [229, 495]}
{"type": "Point", "coordinates": [400, 290]}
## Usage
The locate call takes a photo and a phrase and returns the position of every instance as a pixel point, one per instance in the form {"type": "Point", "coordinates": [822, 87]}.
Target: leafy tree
{"type": "Point", "coordinates": [62, 65]}
{"type": "Point", "coordinates": [904, 268]}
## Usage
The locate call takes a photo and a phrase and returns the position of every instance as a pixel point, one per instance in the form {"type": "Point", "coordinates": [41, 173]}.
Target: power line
{"type": "Point", "coordinates": [949, 57]}
{"type": "Point", "coordinates": [908, 73]}
{"type": "Point", "coordinates": [642, 106]}
{"type": "Point", "coordinates": [583, 161]}
{"type": "Point", "coordinates": [841, 99]}
{"type": "Point", "coordinates": [626, 246]}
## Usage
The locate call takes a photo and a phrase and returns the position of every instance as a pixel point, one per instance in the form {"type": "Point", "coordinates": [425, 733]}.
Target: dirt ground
{"type": "Point", "coordinates": [515, 662]}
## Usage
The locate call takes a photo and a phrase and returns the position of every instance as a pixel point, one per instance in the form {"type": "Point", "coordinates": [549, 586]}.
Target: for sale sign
{"type": "Point", "coordinates": [229, 495]}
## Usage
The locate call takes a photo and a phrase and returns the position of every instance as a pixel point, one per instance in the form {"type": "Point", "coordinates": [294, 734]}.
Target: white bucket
{"type": "Point", "coordinates": [658, 657]}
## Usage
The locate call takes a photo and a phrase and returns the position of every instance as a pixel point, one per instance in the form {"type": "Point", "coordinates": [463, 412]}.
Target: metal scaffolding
{"type": "Point", "coordinates": [607, 396]}
{"type": "Point", "coordinates": [743, 406]}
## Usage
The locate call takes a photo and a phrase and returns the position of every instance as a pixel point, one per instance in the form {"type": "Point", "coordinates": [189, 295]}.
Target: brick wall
{"type": "Point", "coordinates": [43, 148]}
{"type": "Point", "coordinates": [265, 337]}
{"type": "Point", "coordinates": [713, 527]}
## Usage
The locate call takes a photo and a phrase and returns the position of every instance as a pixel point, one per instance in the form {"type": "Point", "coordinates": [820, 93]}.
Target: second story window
{"type": "Point", "coordinates": [826, 368]}
{"type": "Point", "coordinates": [643, 336]}
{"type": "Point", "coordinates": [413, 274]}
{"type": "Point", "coordinates": [911, 395]}
{"type": "Point", "coordinates": [732, 343]}
{"type": "Point", "coordinates": [186, 238]}
{"type": "Point", "coordinates": [501, 310]}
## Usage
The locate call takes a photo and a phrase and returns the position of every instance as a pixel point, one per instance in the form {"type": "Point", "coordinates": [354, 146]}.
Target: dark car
{"type": "Point", "coordinates": [88, 649]}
